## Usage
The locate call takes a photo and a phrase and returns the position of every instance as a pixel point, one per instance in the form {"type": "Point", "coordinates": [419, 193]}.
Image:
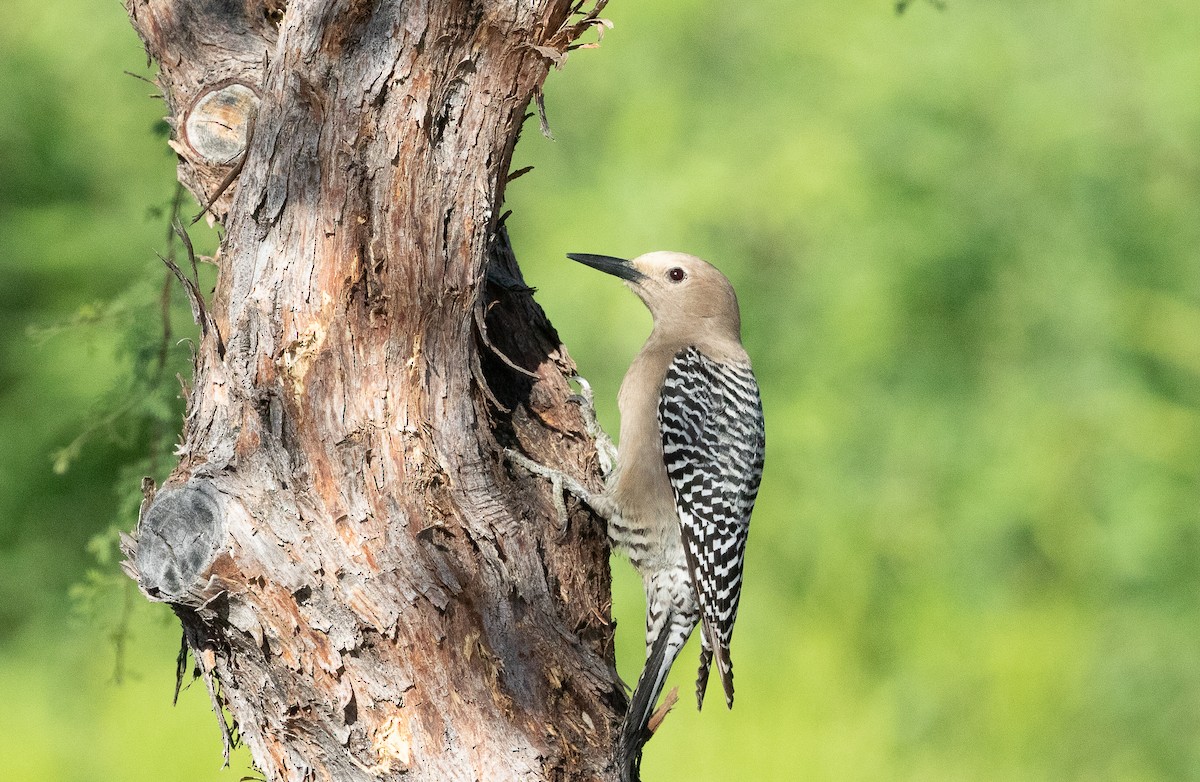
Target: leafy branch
{"type": "Point", "coordinates": [143, 409]}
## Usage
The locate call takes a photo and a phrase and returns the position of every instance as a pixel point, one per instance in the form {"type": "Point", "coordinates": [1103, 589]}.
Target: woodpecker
{"type": "Point", "coordinates": [689, 462]}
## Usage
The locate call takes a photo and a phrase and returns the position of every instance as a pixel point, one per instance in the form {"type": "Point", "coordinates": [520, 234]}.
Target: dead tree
{"type": "Point", "coordinates": [365, 585]}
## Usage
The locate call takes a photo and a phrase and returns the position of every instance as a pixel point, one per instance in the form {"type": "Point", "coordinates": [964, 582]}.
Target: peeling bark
{"type": "Point", "coordinates": [365, 584]}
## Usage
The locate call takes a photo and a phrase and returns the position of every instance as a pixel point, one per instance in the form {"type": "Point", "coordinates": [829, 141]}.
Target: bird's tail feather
{"type": "Point", "coordinates": [709, 651]}
{"type": "Point", "coordinates": [634, 731]}
{"type": "Point", "coordinates": [702, 678]}
{"type": "Point", "coordinates": [725, 669]}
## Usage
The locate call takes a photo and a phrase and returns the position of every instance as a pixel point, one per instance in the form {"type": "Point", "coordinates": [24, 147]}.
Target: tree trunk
{"type": "Point", "coordinates": [364, 583]}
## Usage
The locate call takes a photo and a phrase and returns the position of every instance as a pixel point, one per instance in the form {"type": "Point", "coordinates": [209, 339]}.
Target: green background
{"type": "Point", "coordinates": [967, 246]}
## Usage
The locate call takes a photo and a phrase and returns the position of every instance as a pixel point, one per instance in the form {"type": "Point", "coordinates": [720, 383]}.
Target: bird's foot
{"type": "Point", "coordinates": [560, 482]}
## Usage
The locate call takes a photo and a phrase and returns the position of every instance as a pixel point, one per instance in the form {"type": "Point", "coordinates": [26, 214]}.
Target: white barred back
{"type": "Point", "coordinates": [710, 414]}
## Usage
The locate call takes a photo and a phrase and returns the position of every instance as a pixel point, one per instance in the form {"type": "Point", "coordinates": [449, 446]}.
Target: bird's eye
{"type": "Point", "coordinates": [676, 275]}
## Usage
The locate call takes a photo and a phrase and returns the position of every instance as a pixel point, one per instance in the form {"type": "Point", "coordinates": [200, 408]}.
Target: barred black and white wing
{"type": "Point", "coordinates": [710, 414]}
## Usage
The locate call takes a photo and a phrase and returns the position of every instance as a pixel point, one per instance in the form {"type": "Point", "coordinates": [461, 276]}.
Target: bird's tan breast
{"type": "Point", "coordinates": [642, 490]}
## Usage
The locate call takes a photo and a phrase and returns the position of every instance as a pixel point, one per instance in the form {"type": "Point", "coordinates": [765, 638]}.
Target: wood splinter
{"type": "Point", "coordinates": [663, 710]}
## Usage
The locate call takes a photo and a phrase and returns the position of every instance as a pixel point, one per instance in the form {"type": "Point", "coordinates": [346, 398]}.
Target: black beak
{"type": "Point", "coordinates": [618, 267]}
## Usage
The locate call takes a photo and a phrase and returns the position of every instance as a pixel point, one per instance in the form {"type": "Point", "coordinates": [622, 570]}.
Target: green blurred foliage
{"type": "Point", "coordinates": [967, 249]}
{"type": "Point", "coordinates": [88, 404]}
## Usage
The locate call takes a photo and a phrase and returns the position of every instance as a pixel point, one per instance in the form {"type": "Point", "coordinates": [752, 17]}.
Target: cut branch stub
{"type": "Point", "coordinates": [217, 124]}
{"type": "Point", "coordinates": [205, 48]}
{"type": "Point", "coordinates": [178, 539]}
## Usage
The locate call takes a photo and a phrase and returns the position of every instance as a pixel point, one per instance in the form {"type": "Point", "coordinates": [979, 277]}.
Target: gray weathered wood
{"type": "Point", "coordinates": [374, 589]}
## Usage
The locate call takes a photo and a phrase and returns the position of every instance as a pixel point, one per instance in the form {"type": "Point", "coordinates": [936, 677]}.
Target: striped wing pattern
{"type": "Point", "coordinates": [710, 414]}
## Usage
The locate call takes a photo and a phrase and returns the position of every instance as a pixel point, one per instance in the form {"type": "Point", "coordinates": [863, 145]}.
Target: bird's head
{"type": "Point", "coordinates": [683, 293]}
